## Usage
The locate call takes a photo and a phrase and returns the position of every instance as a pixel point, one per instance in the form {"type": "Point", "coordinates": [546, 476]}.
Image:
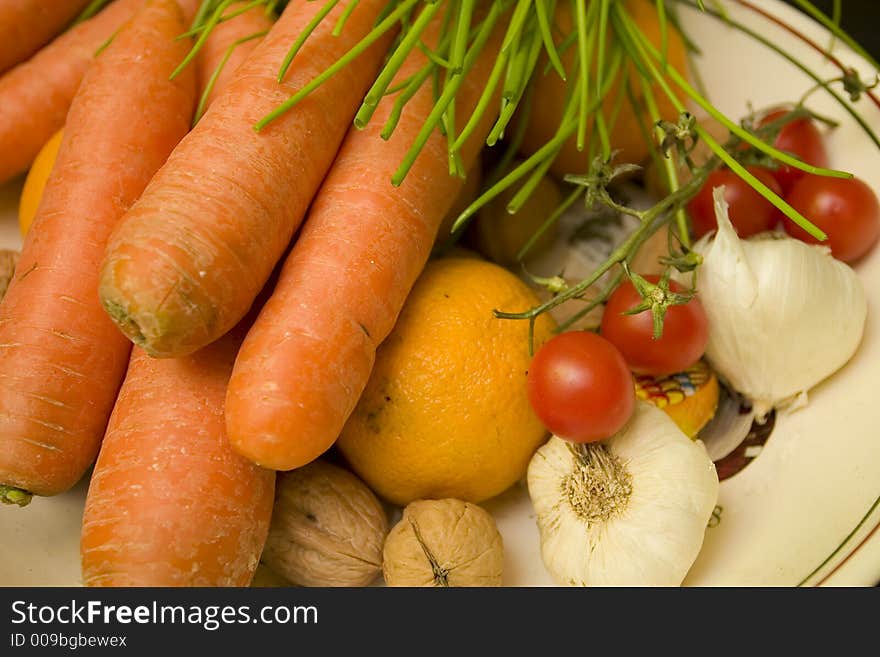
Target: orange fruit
{"type": "Point", "coordinates": [35, 183]}
{"type": "Point", "coordinates": [626, 135]}
{"type": "Point", "coordinates": [445, 412]}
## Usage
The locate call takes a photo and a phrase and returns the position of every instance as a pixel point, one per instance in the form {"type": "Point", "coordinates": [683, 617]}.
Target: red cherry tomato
{"type": "Point", "coordinates": [750, 213]}
{"type": "Point", "coordinates": [685, 332]}
{"type": "Point", "coordinates": [580, 387]}
{"type": "Point", "coordinates": [847, 210]}
{"type": "Point", "coordinates": [800, 138]}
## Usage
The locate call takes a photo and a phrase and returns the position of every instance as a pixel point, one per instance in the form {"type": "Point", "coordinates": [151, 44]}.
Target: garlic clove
{"type": "Point", "coordinates": [783, 315]}
{"type": "Point", "coordinates": [733, 270]}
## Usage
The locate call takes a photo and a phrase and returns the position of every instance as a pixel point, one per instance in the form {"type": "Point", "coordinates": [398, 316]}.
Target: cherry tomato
{"type": "Point", "coordinates": [580, 387]}
{"type": "Point", "coordinates": [685, 332]}
{"type": "Point", "coordinates": [750, 213]}
{"type": "Point", "coordinates": [800, 138]}
{"type": "Point", "coordinates": [847, 210]}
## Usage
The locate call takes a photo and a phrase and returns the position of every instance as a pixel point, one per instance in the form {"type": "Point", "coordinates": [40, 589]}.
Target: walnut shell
{"type": "Point", "coordinates": [327, 528]}
{"type": "Point", "coordinates": [443, 543]}
{"type": "Point", "coordinates": [8, 260]}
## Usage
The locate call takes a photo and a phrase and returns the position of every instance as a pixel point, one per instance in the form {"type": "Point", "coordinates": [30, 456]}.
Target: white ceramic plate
{"type": "Point", "coordinates": [805, 511]}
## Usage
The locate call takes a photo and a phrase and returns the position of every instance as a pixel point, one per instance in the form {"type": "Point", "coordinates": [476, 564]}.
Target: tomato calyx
{"type": "Point", "coordinates": [554, 284]}
{"type": "Point", "coordinates": [854, 86]}
{"type": "Point", "coordinates": [680, 136]}
{"type": "Point", "coordinates": [601, 174]}
{"type": "Point", "coordinates": [683, 258]}
{"type": "Point", "coordinates": [656, 297]}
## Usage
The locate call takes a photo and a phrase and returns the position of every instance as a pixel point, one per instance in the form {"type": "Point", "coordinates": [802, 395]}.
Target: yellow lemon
{"type": "Point", "coordinates": [35, 183]}
{"type": "Point", "coordinates": [446, 412]}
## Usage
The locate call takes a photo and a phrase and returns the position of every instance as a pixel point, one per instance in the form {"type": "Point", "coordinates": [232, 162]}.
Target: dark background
{"type": "Point", "coordinates": [861, 18]}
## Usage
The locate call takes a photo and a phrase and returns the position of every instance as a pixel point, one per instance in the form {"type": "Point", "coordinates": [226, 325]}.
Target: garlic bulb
{"type": "Point", "coordinates": [783, 315]}
{"type": "Point", "coordinates": [631, 511]}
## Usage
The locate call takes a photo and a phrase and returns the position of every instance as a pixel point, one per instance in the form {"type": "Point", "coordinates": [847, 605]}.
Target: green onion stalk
{"type": "Point", "coordinates": [607, 46]}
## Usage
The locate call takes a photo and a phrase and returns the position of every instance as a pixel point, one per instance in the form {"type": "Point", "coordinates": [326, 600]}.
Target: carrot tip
{"type": "Point", "coordinates": [12, 495]}
{"type": "Point", "coordinates": [126, 324]}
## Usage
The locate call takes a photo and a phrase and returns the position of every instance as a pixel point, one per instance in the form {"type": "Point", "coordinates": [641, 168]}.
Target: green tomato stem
{"type": "Point", "coordinates": [835, 29]}
{"type": "Point", "coordinates": [789, 57]}
{"type": "Point", "coordinates": [669, 163]}
{"type": "Point", "coordinates": [645, 46]}
{"type": "Point", "coordinates": [641, 45]}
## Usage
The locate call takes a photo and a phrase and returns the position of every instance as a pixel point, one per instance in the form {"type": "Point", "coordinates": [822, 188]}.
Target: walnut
{"type": "Point", "coordinates": [327, 528]}
{"type": "Point", "coordinates": [443, 543]}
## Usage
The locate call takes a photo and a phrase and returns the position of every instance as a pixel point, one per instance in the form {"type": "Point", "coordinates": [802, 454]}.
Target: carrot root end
{"type": "Point", "coordinates": [124, 321]}
{"type": "Point", "coordinates": [17, 496]}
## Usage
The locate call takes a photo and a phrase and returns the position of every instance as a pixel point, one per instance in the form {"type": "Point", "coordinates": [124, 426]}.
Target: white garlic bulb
{"type": "Point", "coordinates": [631, 511]}
{"type": "Point", "coordinates": [783, 315]}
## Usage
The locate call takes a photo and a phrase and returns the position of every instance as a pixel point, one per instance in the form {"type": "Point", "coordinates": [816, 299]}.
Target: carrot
{"type": "Point", "coordinates": [189, 8]}
{"type": "Point", "coordinates": [26, 25]}
{"type": "Point", "coordinates": [186, 262]}
{"type": "Point", "coordinates": [169, 502]}
{"type": "Point", "coordinates": [309, 355]}
{"type": "Point", "coordinates": [35, 95]}
{"type": "Point", "coordinates": [228, 46]}
{"type": "Point", "coordinates": [61, 359]}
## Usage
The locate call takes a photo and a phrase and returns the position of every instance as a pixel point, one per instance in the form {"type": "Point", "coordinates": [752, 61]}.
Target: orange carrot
{"type": "Point", "coordinates": [169, 502]}
{"type": "Point", "coordinates": [186, 262]}
{"type": "Point", "coordinates": [189, 8]}
{"type": "Point", "coordinates": [307, 359]}
{"type": "Point", "coordinates": [61, 359]}
{"type": "Point", "coordinates": [35, 95]}
{"type": "Point", "coordinates": [229, 37]}
{"type": "Point", "coordinates": [26, 25]}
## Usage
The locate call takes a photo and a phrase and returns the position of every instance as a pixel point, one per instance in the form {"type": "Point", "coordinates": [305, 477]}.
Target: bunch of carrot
{"type": "Point", "coordinates": [174, 248]}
